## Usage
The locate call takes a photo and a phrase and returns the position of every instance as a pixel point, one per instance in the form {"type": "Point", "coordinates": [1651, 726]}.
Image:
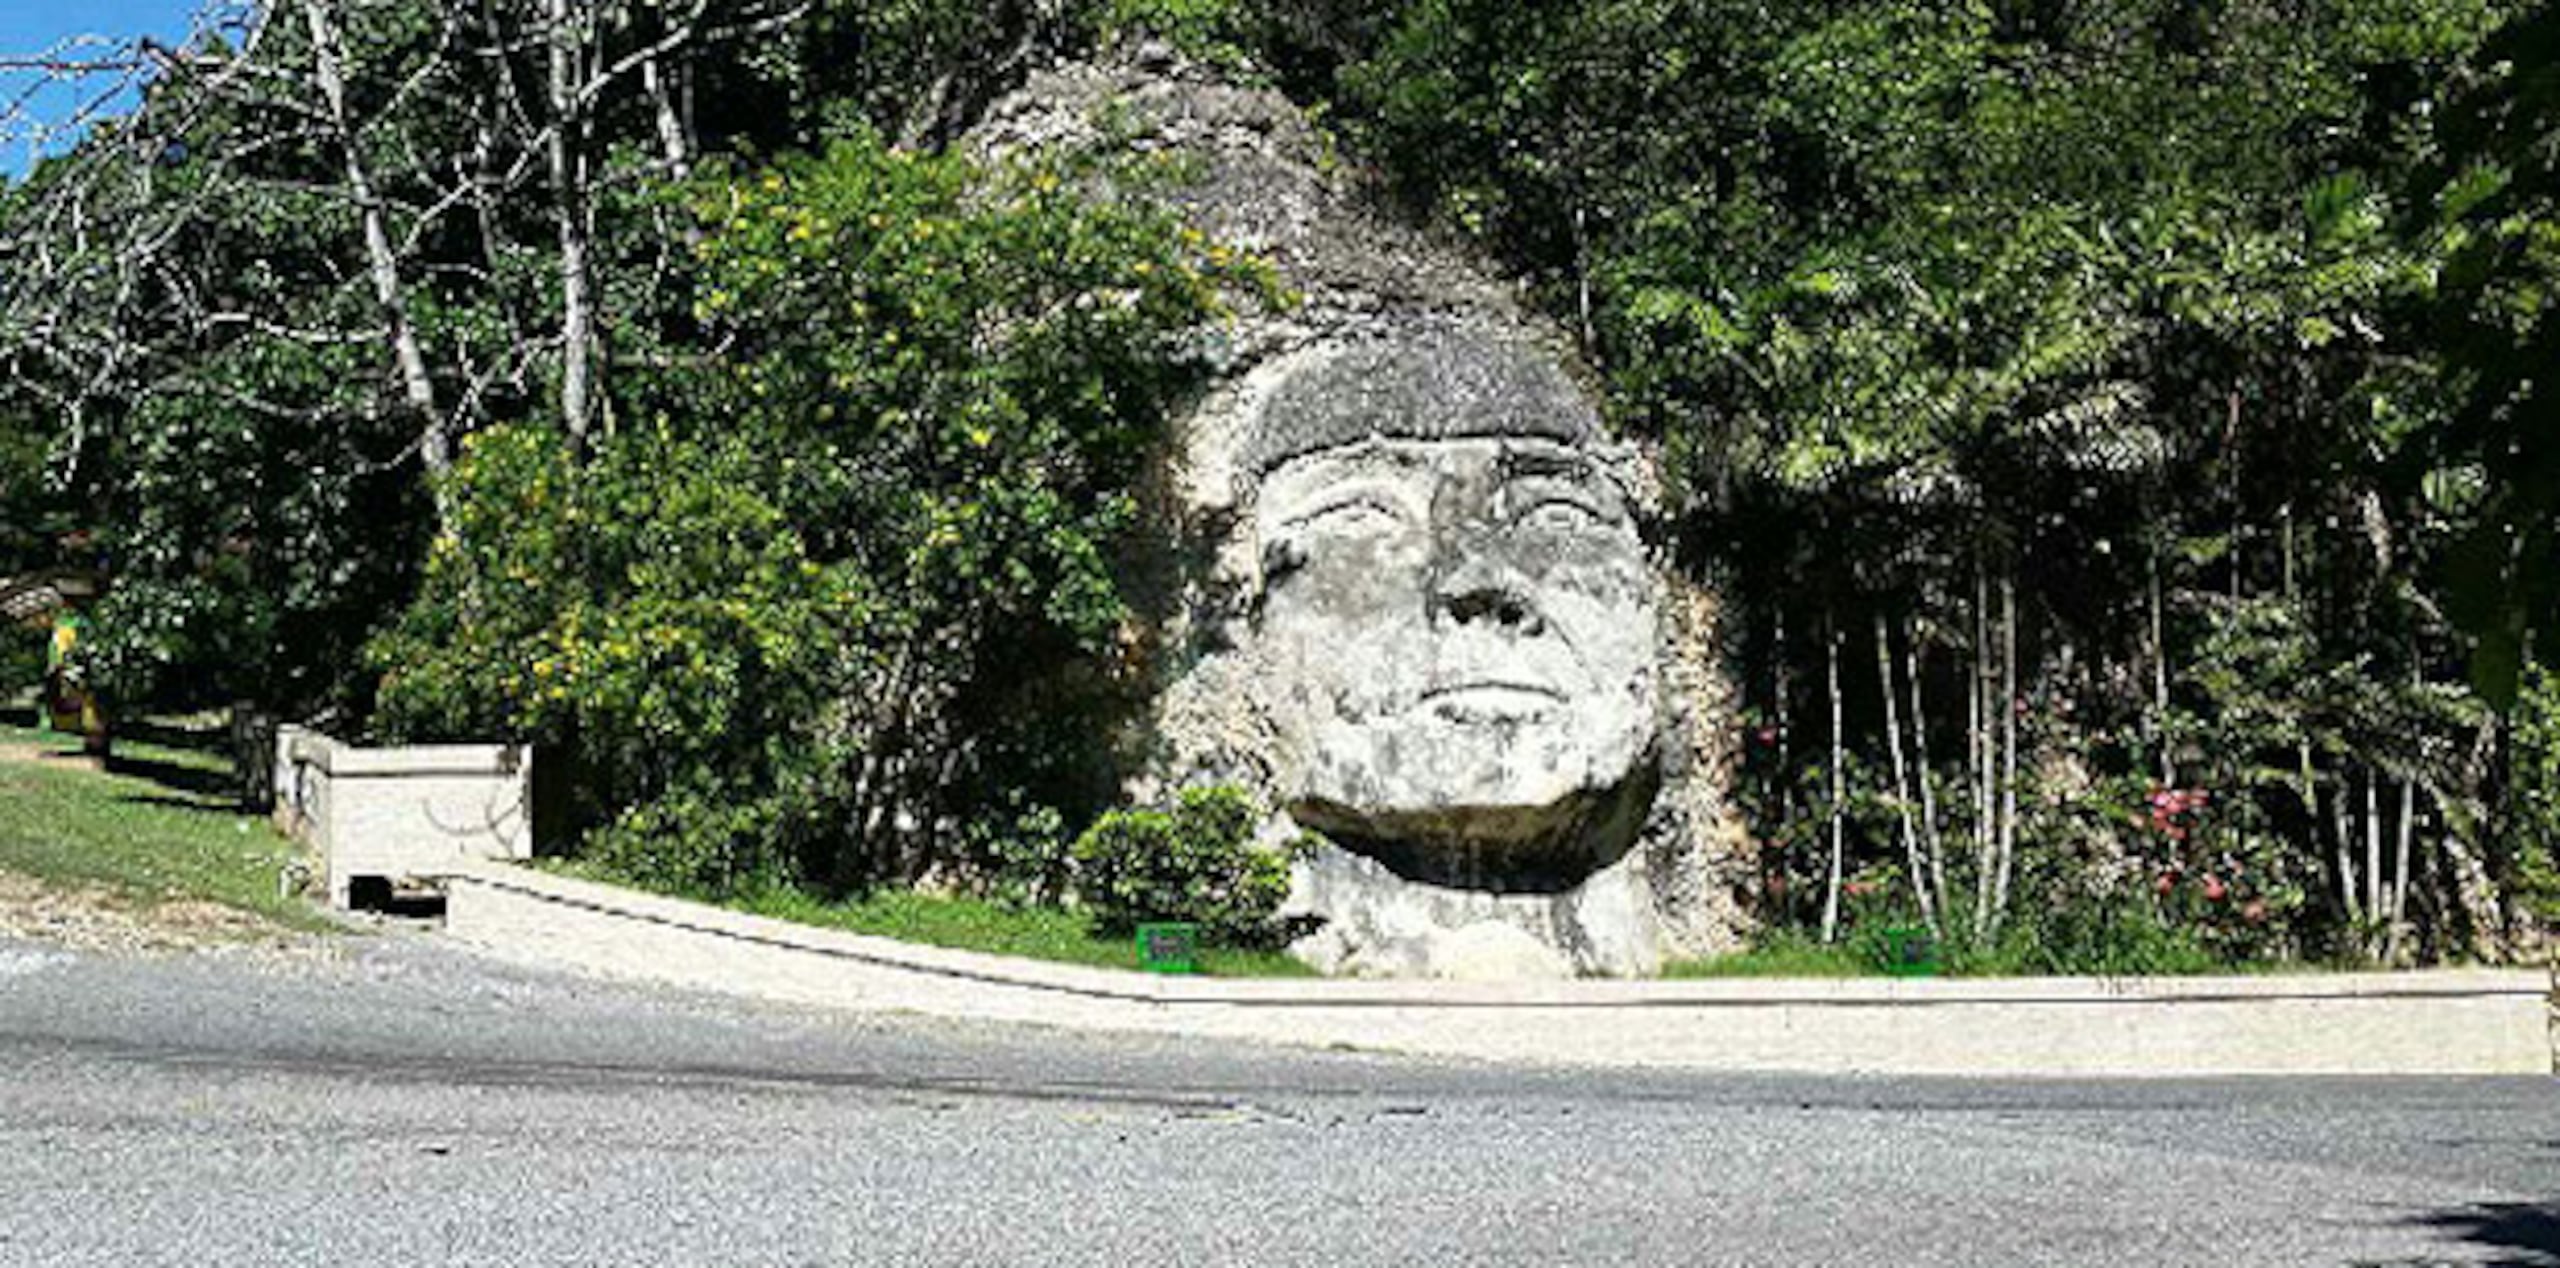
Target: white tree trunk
{"type": "Point", "coordinates": [2008, 847]}
{"type": "Point", "coordinates": [1928, 792]}
{"type": "Point", "coordinates": [567, 164]}
{"type": "Point", "coordinates": [1978, 739]}
{"type": "Point", "coordinates": [1839, 786]}
{"type": "Point", "coordinates": [675, 143]}
{"type": "Point", "coordinates": [2372, 849]}
{"type": "Point", "coordinates": [2400, 867]}
{"type": "Point", "coordinates": [2160, 678]}
{"type": "Point", "coordinates": [382, 262]}
{"type": "Point", "coordinates": [1902, 798]}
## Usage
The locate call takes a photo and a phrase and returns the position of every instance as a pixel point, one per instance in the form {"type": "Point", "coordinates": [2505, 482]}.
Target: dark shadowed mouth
{"type": "Point", "coordinates": [1491, 698]}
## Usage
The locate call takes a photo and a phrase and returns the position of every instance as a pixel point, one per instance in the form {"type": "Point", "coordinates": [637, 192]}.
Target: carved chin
{"type": "Point", "coordinates": [1487, 766]}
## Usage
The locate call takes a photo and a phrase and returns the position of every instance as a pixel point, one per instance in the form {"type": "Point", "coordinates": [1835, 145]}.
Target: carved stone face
{"type": "Point", "coordinates": [1463, 633]}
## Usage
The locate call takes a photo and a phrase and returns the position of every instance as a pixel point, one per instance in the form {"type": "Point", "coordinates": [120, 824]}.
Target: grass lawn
{"type": "Point", "coordinates": [1780, 959]}
{"type": "Point", "coordinates": [1791, 953]}
{"type": "Point", "coordinates": [969, 924]}
{"type": "Point", "coordinates": [161, 824]}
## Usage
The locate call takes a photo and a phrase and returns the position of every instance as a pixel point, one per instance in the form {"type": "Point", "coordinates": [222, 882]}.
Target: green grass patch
{"type": "Point", "coordinates": [1782, 956]}
{"type": "Point", "coordinates": [2123, 947]}
{"type": "Point", "coordinates": [969, 924]}
{"type": "Point", "coordinates": [162, 824]}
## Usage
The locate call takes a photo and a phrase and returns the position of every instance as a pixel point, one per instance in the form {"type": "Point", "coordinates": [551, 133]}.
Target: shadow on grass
{"type": "Point", "coordinates": [209, 739]}
{"type": "Point", "coordinates": [2516, 1234]}
{"type": "Point", "coordinates": [171, 775]}
{"type": "Point", "coordinates": [208, 803]}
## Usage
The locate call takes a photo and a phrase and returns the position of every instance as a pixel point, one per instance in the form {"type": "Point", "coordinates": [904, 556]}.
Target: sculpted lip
{"type": "Point", "coordinates": [1491, 698]}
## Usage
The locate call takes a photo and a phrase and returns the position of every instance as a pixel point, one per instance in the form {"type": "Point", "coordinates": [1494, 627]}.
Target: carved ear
{"type": "Point", "coordinates": [1282, 555]}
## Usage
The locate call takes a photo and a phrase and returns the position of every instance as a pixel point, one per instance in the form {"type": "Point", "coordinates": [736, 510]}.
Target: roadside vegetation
{"type": "Point", "coordinates": [1043, 896]}
{"type": "Point", "coordinates": [977, 924]}
{"type": "Point", "coordinates": [2118, 432]}
{"type": "Point", "coordinates": [163, 825]}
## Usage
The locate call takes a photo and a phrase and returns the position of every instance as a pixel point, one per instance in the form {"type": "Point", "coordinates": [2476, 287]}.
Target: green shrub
{"type": "Point", "coordinates": [2116, 936]}
{"type": "Point", "coordinates": [22, 655]}
{"type": "Point", "coordinates": [1194, 861]}
{"type": "Point", "coordinates": [2534, 847]}
{"type": "Point", "coordinates": [1022, 857]}
{"type": "Point", "coordinates": [816, 604]}
{"type": "Point", "coordinates": [651, 620]}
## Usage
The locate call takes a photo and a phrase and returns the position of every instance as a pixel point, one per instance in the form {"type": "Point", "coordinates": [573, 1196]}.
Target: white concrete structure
{"type": "Point", "coordinates": [2451, 1022]}
{"type": "Point", "coordinates": [401, 813]}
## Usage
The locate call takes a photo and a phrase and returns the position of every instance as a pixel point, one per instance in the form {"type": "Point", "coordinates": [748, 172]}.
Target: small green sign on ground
{"type": "Point", "coordinates": [1169, 948]}
{"type": "Point", "coordinates": [1911, 953]}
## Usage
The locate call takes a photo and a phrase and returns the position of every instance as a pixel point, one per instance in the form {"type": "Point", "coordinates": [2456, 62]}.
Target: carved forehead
{"type": "Point", "coordinates": [1433, 385]}
{"type": "Point", "coordinates": [1497, 460]}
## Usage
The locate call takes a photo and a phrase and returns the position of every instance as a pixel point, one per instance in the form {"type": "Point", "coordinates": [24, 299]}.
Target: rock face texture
{"type": "Point", "coordinates": [1408, 597]}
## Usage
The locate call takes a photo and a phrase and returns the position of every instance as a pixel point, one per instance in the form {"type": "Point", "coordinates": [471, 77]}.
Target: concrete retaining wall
{"type": "Point", "coordinates": [394, 813]}
{"type": "Point", "coordinates": [2450, 1022]}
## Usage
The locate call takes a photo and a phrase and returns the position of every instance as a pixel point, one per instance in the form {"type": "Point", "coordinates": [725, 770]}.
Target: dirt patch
{"type": "Point", "coordinates": [90, 918]}
{"type": "Point", "coordinates": [38, 755]}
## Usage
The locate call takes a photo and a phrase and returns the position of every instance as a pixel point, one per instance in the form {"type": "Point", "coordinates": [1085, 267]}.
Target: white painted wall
{"type": "Point", "coordinates": [412, 811]}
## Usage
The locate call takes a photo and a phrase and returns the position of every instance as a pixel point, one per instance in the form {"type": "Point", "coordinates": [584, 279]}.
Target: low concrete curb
{"type": "Point", "coordinates": [2447, 1022]}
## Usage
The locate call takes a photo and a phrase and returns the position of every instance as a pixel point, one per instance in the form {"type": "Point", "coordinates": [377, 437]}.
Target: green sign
{"type": "Point", "coordinates": [1169, 948]}
{"type": "Point", "coordinates": [1910, 953]}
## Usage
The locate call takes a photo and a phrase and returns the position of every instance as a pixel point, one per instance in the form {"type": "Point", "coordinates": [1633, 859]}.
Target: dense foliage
{"type": "Point", "coordinates": [2115, 428]}
{"type": "Point", "coordinates": [825, 602]}
{"type": "Point", "coordinates": [2065, 394]}
{"type": "Point", "coordinates": [1195, 860]}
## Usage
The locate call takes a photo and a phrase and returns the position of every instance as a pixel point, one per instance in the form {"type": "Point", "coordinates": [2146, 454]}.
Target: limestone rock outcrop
{"type": "Point", "coordinates": [1410, 599]}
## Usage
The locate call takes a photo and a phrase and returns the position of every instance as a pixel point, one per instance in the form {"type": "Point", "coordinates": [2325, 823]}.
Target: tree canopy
{"type": "Point", "coordinates": [2116, 429]}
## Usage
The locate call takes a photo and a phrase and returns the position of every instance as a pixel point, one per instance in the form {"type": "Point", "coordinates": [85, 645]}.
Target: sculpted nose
{"type": "Point", "coordinates": [1473, 595]}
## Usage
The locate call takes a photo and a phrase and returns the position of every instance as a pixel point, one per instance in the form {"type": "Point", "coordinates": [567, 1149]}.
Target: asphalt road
{"type": "Point", "coordinates": [393, 1100]}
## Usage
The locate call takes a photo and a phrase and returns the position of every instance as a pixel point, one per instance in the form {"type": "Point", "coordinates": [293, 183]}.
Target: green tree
{"type": "Point", "coordinates": [872, 535]}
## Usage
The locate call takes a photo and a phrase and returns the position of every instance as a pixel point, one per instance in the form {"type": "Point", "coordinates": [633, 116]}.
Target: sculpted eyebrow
{"type": "Point", "coordinates": [1336, 499]}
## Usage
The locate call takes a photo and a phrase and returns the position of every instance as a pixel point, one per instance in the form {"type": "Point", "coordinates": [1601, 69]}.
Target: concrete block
{"type": "Point", "coordinates": [392, 813]}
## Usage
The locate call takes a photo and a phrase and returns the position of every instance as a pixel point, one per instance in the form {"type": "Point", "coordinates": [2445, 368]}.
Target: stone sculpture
{"type": "Point", "coordinates": [1411, 603]}
{"type": "Point", "coordinates": [1455, 608]}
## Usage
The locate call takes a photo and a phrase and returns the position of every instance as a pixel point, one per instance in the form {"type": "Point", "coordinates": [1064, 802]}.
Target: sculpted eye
{"type": "Point", "coordinates": [1558, 514]}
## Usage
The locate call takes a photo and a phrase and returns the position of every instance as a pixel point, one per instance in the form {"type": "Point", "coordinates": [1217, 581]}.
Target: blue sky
{"type": "Point", "coordinates": [32, 26]}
